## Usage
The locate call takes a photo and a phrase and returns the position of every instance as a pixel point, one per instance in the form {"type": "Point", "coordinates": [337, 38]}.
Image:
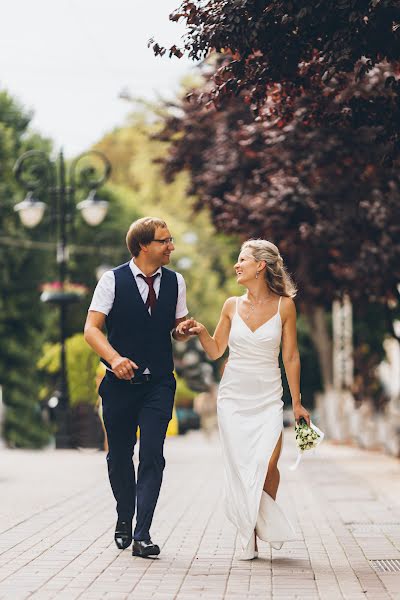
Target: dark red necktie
{"type": "Point", "coordinates": [151, 298]}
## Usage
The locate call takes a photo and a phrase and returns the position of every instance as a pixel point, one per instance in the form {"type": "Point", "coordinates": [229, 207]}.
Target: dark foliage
{"type": "Point", "coordinates": [320, 193]}
{"type": "Point", "coordinates": [294, 47]}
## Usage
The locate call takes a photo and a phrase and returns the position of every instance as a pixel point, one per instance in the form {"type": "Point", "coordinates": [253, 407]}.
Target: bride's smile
{"type": "Point", "coordinates": [245, 268]}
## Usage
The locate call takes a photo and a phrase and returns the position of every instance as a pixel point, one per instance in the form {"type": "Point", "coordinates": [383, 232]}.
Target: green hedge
{"type": "Point", "coordinates": [82, 364]}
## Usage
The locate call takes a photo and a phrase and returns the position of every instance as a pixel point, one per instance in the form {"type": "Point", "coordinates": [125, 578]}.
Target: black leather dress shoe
{"type": "Point", "coordinates": [123, 534]}
{"type": "Point", "coordinates": [145, 549]}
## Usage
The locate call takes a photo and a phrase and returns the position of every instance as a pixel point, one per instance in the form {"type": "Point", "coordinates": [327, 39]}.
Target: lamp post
{"type": "Point", "coordinates": [35, 171]}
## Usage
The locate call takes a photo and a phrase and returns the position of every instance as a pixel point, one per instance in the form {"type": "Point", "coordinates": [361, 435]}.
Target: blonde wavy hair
{"type": "Point", "coordinates": [276, 276]}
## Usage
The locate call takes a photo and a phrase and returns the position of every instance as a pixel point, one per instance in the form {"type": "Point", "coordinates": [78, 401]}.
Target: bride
{"type": "Point", "coordinates": [250, 392]}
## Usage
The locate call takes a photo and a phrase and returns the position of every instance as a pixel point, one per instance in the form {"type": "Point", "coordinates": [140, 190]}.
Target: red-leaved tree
{"type": "Point", "coordinates": [294, 47]}
{"type": "Point", "coordinates": [319, 192]}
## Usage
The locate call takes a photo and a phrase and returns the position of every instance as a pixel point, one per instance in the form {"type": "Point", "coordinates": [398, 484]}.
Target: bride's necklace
{"type": "Point", "coordinates": [253, 305]}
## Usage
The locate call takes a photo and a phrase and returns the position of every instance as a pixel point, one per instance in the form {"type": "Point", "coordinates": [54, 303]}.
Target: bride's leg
{"type": "Point", "coordinates": [271, 482]}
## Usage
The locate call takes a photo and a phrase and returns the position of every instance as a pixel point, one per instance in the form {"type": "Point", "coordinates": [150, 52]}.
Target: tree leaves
{"type": "Point", "coordinates": [315, 191]}
{"type": "Point", "coordinates": [262, 44]}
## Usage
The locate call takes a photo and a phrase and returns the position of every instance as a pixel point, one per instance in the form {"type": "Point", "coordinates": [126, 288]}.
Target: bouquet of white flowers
{"type": "Point", "coordinates": [307, 438]}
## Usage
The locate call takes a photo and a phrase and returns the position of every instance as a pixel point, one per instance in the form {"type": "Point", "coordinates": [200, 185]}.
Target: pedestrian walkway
{"type": "Point", "coordinates": [57, 521]}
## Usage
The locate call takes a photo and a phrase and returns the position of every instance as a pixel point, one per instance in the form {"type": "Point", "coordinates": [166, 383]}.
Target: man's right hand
{"type": "Point", "coordinates": [123, 367]}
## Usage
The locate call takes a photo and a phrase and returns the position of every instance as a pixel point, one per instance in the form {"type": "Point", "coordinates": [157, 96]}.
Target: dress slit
{"type": "Point", "coordinates": [261, 487]}
{"type": "Point", "coordinates": [280, 440]}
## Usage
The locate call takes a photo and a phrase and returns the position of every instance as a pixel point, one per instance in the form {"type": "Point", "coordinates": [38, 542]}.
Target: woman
{"type": "Point", "coordinates": [250, 392]}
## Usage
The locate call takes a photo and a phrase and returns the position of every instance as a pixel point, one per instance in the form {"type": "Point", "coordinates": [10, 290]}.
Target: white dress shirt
{"type": "Point", "coordinates": [104, 294]}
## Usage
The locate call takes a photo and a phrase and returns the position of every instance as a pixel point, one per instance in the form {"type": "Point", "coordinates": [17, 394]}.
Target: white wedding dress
{"type": "Point", "coordinates": [250, 423]}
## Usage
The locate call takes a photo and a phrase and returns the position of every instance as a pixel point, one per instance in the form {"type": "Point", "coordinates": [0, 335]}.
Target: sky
{"type": "Point", "coordinates": [67, 61]}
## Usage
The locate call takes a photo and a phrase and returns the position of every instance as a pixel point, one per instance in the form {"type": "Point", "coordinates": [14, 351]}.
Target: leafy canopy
{"type": "Point", "coordinates": [320, 193]}
{"type": "Point", "coordinates": [288, 48]}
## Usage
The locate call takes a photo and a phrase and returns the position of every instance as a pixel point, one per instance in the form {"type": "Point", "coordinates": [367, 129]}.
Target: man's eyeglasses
{"type": "Point", "coordinates": [165, 241]}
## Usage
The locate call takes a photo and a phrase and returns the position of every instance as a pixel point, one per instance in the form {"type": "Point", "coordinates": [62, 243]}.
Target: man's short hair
{"type": "Point", "coordinates": [141, 232]}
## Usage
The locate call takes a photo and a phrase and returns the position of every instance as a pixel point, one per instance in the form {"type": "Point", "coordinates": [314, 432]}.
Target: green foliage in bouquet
{"type": "Point", "coordinates": [82, 365]}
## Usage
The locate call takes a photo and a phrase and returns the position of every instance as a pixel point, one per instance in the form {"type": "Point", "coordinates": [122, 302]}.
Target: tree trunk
{"type": "Point", "coordinates": [328, 403]}
{"type": "Point", "coordinates": [322, 341]}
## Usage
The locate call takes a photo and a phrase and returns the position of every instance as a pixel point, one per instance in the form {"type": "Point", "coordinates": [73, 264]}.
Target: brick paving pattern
{"type": "Point", "coordinates": [57, 520]}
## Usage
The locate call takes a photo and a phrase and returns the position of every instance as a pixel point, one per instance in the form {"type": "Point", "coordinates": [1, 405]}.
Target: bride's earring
{"type": "Point", "coordinates": [256, 274]}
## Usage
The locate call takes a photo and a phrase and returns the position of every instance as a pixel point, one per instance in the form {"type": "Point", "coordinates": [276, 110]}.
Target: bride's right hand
{"type": "Point", "coordinates": [190, 326]}
{"type": "Point", "coordinates": [196, 328]}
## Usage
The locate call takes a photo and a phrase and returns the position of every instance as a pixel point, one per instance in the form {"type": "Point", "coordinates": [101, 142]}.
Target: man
{"type": "Point", "coordinates": [140, 302]}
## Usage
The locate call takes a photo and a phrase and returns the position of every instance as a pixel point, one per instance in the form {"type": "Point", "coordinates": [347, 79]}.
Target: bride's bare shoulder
{"type": "Point", "coordinates": [287, 301]}
{"type": "Point", "coordinates": [288, 306]}
{"type": "Point", "coordinates": [229, 307]}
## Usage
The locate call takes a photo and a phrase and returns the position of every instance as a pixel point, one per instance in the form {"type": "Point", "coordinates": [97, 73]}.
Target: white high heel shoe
{"type": "Point", "coordinates": [272, 526]}
{"type": "Point", "coordinates": [250, 551]}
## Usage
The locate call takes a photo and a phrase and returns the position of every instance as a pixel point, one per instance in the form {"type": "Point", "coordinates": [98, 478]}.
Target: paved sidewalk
{"type": "Point", "coordinates": [57, 520]}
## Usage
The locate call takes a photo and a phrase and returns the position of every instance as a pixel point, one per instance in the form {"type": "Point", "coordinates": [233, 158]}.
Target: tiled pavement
{"type": "Point", "coordinates": [57, 519]}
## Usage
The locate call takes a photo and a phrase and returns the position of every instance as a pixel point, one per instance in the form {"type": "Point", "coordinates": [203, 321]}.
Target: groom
{"type": "Point", "coordinates": [140, 303]}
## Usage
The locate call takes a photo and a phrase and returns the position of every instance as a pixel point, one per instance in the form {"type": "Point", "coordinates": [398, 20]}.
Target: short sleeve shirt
{"type": "Point", "coordinates": [104, 294]}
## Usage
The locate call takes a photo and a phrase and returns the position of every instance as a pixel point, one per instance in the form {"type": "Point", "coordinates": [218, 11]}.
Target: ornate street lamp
{"type": "Point", "coordinates": [35, 172]}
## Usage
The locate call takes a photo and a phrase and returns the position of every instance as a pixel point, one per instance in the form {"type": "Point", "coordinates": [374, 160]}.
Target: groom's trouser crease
{"type": "Point", "coordinates": [125, 408]}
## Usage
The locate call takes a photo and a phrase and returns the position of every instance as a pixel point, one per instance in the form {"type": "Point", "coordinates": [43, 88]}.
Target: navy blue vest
{"type": "Point", "coordinates": [133, 332]}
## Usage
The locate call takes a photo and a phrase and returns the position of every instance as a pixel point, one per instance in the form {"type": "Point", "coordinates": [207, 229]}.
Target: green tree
{"type": "Point", "coordinates": [82, 364]}
{"type": "Point", "coordinates": [21, 272]}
